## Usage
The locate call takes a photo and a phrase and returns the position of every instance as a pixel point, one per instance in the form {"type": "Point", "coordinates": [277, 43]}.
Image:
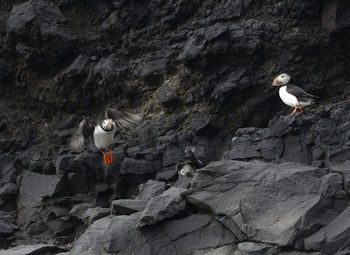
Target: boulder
{"type": "Point", "coordinates": [150, 189]}
{"type": "Point", "coordinates": [75, 73]}
{"type": "Point", "coordinates": [272, 203]}
{"type": "Point", "coordinates": [163, 206]}
{"type": "Point", "coordinates": [136, 171]}
{"type": "Point", "coordinates": [202, 124]}
{"type": "Point", "coordinates": [167, 96]}
{"type": "Point", "coordinates": [37, 21]}
{"type": "Point", "coordinates": [78, 210]}
{"type": "Point", "coordinates": [117, 234]}
{"type": "Point", "coordinates": [308, 138]}
{"type": "Point", "coordinates": [332, 237]}
{"type": "Point", "coordinates": [93, 214]}
{"type": "Point", "coordinates": [34, 187]}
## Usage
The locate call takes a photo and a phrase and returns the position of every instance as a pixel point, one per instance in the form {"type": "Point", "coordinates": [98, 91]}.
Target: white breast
{"type": "Point", "coordinates": [103, 139]}
{"type": "Point", "coordinates": [288, 98]}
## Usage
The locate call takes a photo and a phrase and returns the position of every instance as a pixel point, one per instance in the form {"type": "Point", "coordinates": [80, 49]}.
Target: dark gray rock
{"type": "Point", "coordinates": [242, 148]}
{"type": "Point", "coordinates": [84, 170]}
{"type": "Point", "coordinates": [223, 250]}
{"type": "Point", "coordinates": [34, 21]}
{"type": "Point", "coordinates": [224, 89]}
{"type": "Point", "coordinates": [331, 237]}
{"type": "Point", "coordinates": [167, 96]}
{"type": "Point", "coordinates": [304, 138]}
{"type": "Point", "coordinates": [250, 248]}
{"type": "Point", "coordinates": [135, 171]}
{"type": "Point", "coordinates": [8, 170]}
{"type": "Point", "coordinates": [344, 169]}
{"type": "Point", "coordinates": [182, 236]}
{"type": "Point", "coordinates": [142, 151]}
{"type": "Point", "coordinates": [335, 14]}
{"type": "Point", "coordinates": [154, 63]}
{"type": "Point", "coordinates": [5, 70]}
{"type": "Point", "coordinates": [150, 189]}
{"type": "Point", "coordinates": [228, 10]}
{"type": "Point", "coordinates": [300, 253]}
{"type": "Point", "coordinates": [34, 187]}
{"type": "Point", "coordinates": [32, 250]}
{"type": "Point", "coordinates": [232, 226]}
{"type": "Point", "coordinates": [164, 206]}
{"type": "Point", "coordinates": [8, 191]}
{"type": "Point", "coordinates": [201, 124]}
{"type": "Point", "coordinates": [93, 214]}
{"type": "Point", "coordinates": [183, 182]}
{"type": "Point", "coordinates": [128, 206]}
{"type": "Point", "coordinates": [171, 156]}
{"type": "Point", "coordinates": [75, 73]}
{"type": "Point", "coordinates": [273, 203]}
{"type": "Point", "coordinates": [78, 210]}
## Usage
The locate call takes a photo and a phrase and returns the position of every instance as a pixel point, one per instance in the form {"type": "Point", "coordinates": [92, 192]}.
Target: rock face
{"type": "Point", "coordinates": [319, 139]}
{"type": "Point", "coordinates": [182, 236]}
{"type": "Point", "coordinates": [335, 15]}
{"type": "Point", "coordinates": [36, 29]}
{"type": "Point", "coordinates": [271, 203]}
{"type": "Point", "coordinates": [201, 72]}
{"type": "Point", "coordinates": [32, 249]}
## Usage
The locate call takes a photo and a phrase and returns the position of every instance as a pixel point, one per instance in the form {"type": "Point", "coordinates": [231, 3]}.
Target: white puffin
{"type": "Point", "coordinates": [103, 131]}
{"type": "Point", "coordinates": [292, 95]}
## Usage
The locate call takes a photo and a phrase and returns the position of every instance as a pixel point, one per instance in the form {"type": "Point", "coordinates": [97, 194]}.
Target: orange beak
{"type": "Point", "coordinates": [276, 82]}
{"type": "Point", "coordinates": [109, 124]}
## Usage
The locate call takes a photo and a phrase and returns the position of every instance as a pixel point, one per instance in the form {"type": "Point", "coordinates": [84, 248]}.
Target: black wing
{"type": "Point", "coordinates": [77, 139]}
{"type": "Point", "coordinates": [123, 119]}
{"type": "Point", "coordinates": [299, 92]}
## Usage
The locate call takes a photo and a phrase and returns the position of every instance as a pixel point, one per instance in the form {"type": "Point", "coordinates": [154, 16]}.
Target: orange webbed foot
{"type": "Point", "coordinates": [295, 109]}
{"type": "Point", "coordinates": [111, 158]}
{"type": "Point", "coordinates": [107, 160]}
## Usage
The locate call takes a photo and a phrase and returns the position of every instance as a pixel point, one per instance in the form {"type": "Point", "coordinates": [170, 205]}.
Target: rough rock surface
{"type": "Point", "coordinates": [117, 234]}
{"type": "Point", "coordinates": [201, 71]}
{"type": "Point", "coordinates": [272, 203]}
{"type": "Point", "coordinates": [320, 138]}
{"type": "Point", "coordinates": [164, 206]}
{"type": "Point", "coordinates": [32, 249]}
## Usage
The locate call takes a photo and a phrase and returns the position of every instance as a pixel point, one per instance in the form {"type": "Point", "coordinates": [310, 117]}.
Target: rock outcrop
{"type": "Point", "coordinates": [201, 71]}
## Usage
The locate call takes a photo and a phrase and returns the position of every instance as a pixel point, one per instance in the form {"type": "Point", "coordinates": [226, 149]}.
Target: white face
{"type": "Point", "coordinates": [107, 124]}
{"type": "Point", "coordinates": [281, 79]}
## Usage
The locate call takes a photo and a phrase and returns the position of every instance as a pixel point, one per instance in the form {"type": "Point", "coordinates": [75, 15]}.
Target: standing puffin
{"type": "Point", "coordinates": [103, 131]}
{"type": "Point", "coordinates": [292, 95]}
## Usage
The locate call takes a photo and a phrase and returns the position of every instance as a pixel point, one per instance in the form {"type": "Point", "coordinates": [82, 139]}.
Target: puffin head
{"type": "Point", "coordinates": [281, 80]}
{"type": "Point", "coordinates": [107, 124]}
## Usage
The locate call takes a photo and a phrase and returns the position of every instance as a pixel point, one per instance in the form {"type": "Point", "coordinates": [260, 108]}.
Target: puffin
{"type": "Point", "coordinates": [103, 131]}
{"type": "Point", "coordinates": [292, 95]}
{"type": "Point", "coordinates": [188, 165]}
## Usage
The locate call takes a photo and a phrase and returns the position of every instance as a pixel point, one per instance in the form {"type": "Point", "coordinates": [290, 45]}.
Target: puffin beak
{"type": "Point", "coordinates": [276, 82]}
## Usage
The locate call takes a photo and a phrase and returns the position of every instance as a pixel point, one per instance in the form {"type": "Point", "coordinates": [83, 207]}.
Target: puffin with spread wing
{"type": "Point", "coordinates": [292, 95]}
{"type": "Point", "coordinates": [103, 131]}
